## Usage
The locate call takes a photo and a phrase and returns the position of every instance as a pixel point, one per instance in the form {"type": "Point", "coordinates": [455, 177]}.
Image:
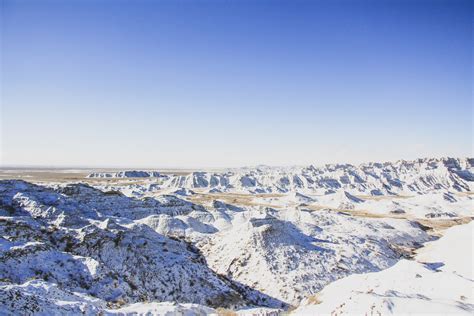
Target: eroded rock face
{"type": "Point", "coordinates": [69, 242]}
{"type": "Point", "coordinates": [420, 175]}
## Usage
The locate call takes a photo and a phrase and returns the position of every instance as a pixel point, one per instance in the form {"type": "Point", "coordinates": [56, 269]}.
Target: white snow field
{"type": "Point", "coordinates": [375, 238]}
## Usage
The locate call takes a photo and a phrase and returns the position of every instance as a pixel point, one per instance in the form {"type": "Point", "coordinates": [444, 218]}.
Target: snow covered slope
{"type": "Point", "coordinates": [439, 281]}
{"type": "Point", "coordinates": [401, 177]}
{"type": "Point", "coordinates": [288, 254]}
{"type": "Point", "coordinates": [95, 249]}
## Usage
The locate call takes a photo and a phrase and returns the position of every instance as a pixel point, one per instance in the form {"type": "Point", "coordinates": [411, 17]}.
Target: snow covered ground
{"type": "Point", "coordinates": [250, 241]}
{"type": "Point", "coordinates": [439, 281]}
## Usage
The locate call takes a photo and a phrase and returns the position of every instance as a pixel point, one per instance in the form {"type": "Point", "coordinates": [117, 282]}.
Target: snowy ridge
{"type": "Point", "coordinates": [125, 174]}
{"type": "Point", "coordinates": [401, 177]}
{"type": "Point", "coordinates": [71, 244]}
{"type": "Point", "coordinates": [305, 251]}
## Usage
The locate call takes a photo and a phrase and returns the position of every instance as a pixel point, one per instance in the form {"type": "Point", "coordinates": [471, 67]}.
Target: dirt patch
{"type": "Point", "coordinates": [383, 197]}
{"type": "Point", "coordinates": [439, 225]}
{"type": "Point", "coordinates": [232, 198]}
{"type": "Point", "coordinates": [351, 212]}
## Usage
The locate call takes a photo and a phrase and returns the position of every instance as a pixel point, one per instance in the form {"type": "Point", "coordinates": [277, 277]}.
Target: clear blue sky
{"type": "Point", "coordinates": [231, 83]}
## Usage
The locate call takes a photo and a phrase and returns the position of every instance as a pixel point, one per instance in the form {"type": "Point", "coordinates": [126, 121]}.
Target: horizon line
{"type": "Point", "coordinates": [122, 167]}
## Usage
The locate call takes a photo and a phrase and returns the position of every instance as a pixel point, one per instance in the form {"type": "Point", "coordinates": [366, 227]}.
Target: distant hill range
{"type": "Point", "coordinates": [417, 176]}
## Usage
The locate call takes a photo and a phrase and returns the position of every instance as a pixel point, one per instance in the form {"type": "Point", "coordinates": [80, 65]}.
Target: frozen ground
{"type": "Point", "coordinates": [251, 240]}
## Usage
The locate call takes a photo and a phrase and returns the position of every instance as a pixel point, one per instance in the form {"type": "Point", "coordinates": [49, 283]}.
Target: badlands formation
{"type": "Point", "coordinates": [376, 238]}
